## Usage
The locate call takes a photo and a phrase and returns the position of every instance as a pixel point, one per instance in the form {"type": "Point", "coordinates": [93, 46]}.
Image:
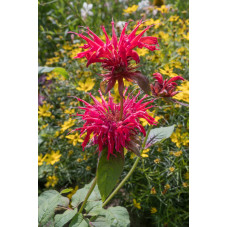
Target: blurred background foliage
{"type": "Point", "coordinates": [157, 192]}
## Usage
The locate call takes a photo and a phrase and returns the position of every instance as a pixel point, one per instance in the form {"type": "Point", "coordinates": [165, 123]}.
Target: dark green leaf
{"type": "Point", "coordinates": [158, 135]}
{"type": "Point", "coordinates": [108, 172]}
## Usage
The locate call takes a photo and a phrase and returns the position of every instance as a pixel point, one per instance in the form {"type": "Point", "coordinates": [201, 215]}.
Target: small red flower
{"type": "Point", "coordinates": [166, 88]}
{"type": "Point", "coordinates": [116, 55]}
{"type": "Point", "coordinates": [103, 120]}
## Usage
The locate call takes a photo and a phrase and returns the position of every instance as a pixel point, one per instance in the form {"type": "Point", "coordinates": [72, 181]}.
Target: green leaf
{"type": "Point", "coordinates": [91, 205]}
{"type": "Point", "coordinates": [59, 70]}
{"type": "Point", "coordinates": [101, 222]}
{"type": "Point", "coordinates": [48, 201]}
{"type": "Point", "coordinates": [158, 135]}
{"type": "Point", "coordinates": [113, 216]}
{"type": "Point", "coordinates": [45, 69]}
{"type": "Point", "coordinates": [62, 219]}
{"type": "Point", "coordinates": [118, 216]}
{"type": "Point", "coordinates": [66, 190]}
{"type": "Point", "coordinates": [80, 195]}
{"type": "Point", "coordinates": [78, 221]}
{"type": "Point", "coordinates": [108, 172]}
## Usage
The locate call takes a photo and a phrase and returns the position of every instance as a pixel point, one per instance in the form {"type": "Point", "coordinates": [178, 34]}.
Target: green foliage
{"type": "Point", "coordinates": [108, 172]}
{"type": "Point", "coordinates": [51, 202]}
{"type": "Point", "coordinates": [166, 163]}
{"type": "Point", "coordinates": [48, 201]}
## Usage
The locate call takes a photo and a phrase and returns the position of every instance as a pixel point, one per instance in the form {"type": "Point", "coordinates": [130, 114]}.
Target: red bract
{"type": "Point", "coordinates": [103, 120]}
{"type": "Point", "coordinates": [166, 88]}
{"type": "Point", "coordinates": [116, 55]}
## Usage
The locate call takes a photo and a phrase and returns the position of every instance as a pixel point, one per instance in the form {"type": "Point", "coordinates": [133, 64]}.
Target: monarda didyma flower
{"type": "Point", "coordinates": [164, 88]}
{"type": "Point", "coordinates": [116, 55]}
{"type": "Point", "coordinates": [109, 131]}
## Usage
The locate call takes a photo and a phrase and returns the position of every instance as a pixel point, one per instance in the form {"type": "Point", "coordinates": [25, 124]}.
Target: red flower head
{"type": "Point", "coordinates": [166, 88]}
{"type": "Point", "coordinates": [103, 120]}
{"type": "Point", "coordinates": [116, 55]}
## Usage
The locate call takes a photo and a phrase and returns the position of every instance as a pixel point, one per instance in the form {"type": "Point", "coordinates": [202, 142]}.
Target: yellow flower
{"type": "Point", "coordinates": [177, 153]}
{"type": "Point", "coordinates": [163, 9]}
{"type": "Point", "coordinates": [176, 64]}
{"type": "Point", "coordinates": [164, 36]}
{"type": "Point", "coordinates": [157, 160]}
{"type": "Point", "coordinates": [49, 37]}
{"type": "Point", "coordinates": [44, 111]}
{"type": "Point", "coordinates": [69, 111]}
{"type": "Point", "coordinates": [153, 210]}
{"type": "Point", "coordinates": [74, 138]}
{"type": "Point", "coordinates": [185, 185]}
{"type": "Point", "coordinates": [137, 205]}
{"type": "Point", "coordinates": [171, 169]}
{"type": "Point", "coordinates": [142, 52]}
{"type": "Point", "coordinates": [153, 191]}
{"type": "Point", "coordinates": [53, 157]}
{"type": "Point", "coordinates": [167, 71]}
{"type": "Point", "coordinates": [181, 50]}
{"type": "Point", "coordinates": [184, 94]}
{"type": "Point", "coordinates": [88, 168]}
{"type": "Point", "coordinates": [44, 126]}
{"type": "Point", "coordinates": [186, 175]}
{"type": "Point", "coordinates": [131, 9]}
{"type": "Point", "coordinates": [186, 36]}
{"type": "Point", "coordinates": [87, 86]}
{"type": "Point", "coordinates": [73, 192]}
{"type": "Point", "coordinates": [167, 186]}
{"type": "Point", "coordinates": [144, 155]}
{"type": "Point", "coordinates": [174, 18]}
{"type": "Point", "coordinates": [151, 21]}
{"type": "Point", "coordinates": [79, 160]}
{"type": "Point", "coordinates": [41, 159]}
{"type": "Point", "coordinates": [51, 181]}
{"type": "Point", "coordinates": [67, 124]}
{"type": "Point", "coordinates": [70, 152]}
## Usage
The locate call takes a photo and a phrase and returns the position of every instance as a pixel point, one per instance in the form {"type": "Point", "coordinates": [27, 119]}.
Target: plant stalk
{"type": "Point", "coordinates": [129, 173]}
{"type": "Point", "coordinates": [121, 111]}
{"type": "Point", "coordinates": [88, 194]}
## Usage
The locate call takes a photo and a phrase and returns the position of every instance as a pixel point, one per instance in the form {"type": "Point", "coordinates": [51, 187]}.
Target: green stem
{"type": "Point", "coordinates": [129, 173]}
{"type": "Point", "coordinates": [88, 194]}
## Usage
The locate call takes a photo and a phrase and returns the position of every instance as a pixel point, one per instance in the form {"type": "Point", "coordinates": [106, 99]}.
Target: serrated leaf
{"type": "Point", "coordinates": [80, 195]}
{"type": "Point", "coordinates": [78, 221]}
{"type": "Point", "coordinates": [48, 201]}
{"type": "Point", "coordinates": [158, 135]}
{"type": "Point", "coordinates": [62, 219]}
{"type": "Point", "coordinates": [108, 172]}
{"type": "Point", "coordinates": [66, 190]}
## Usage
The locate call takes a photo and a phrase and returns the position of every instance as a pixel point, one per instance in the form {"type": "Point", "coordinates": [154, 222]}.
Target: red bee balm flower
{"type": "Point", "coordinates": [116, 55]}
{"type": "Point", "coordinates": [166, 88]}
{"type": "Point", "coordinates": [103, 120]}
